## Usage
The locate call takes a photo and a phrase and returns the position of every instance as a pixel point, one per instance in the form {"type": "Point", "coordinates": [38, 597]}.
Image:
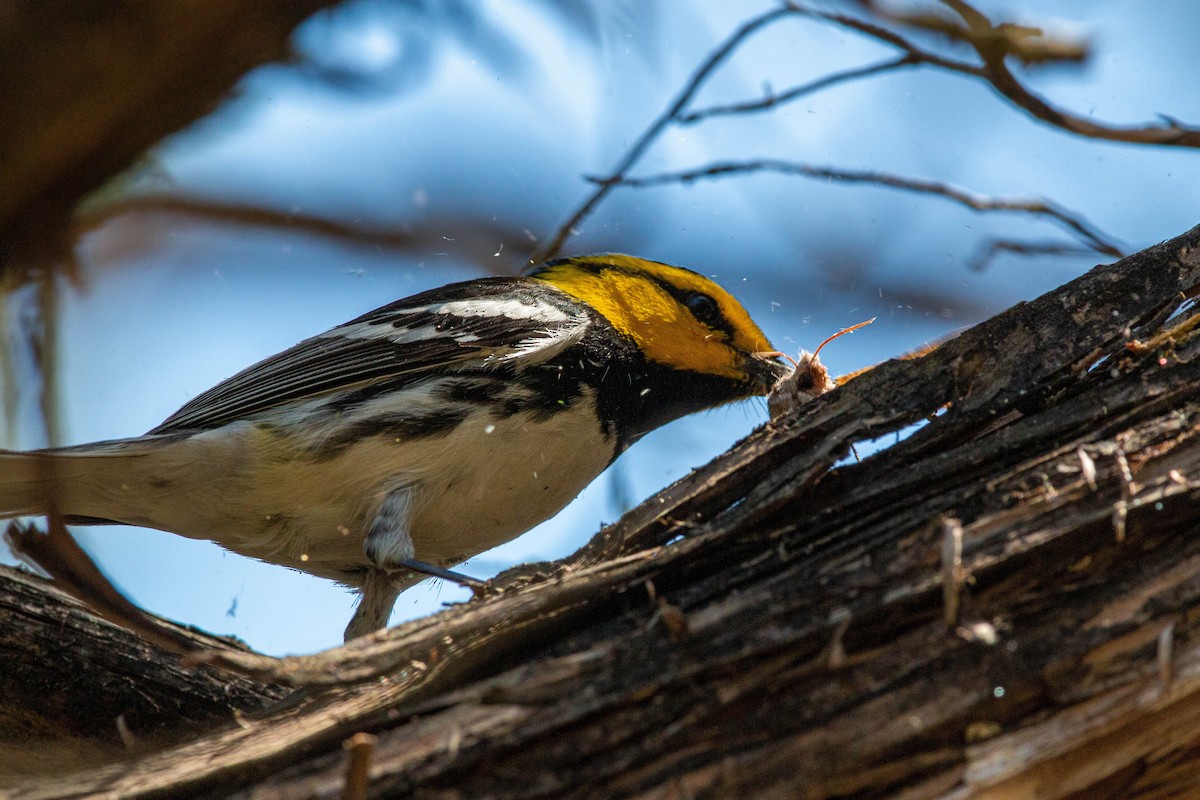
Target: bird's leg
{"type": "Point", "coordinates": [388, 543]}
{"type": "Point", "coordinates": [474, 584]}
{"type": "Point", "coordinates": [379, 593]}
{"type": "Point", "coordinates": [389, 546]}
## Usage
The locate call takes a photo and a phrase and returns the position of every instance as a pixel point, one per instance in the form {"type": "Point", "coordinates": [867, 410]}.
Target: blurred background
{"type": "Point", "coordinates": [384, 147]}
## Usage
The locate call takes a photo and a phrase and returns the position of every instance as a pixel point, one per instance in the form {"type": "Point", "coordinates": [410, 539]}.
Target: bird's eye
{"type": "Point", "coordinates": [703, 308]}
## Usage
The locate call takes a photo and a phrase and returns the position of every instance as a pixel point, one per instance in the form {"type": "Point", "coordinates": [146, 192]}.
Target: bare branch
{"type": "Point", "coordinates": [888, 36]}
{"type": "Point", "coordinates": [229, 212]}
{"type": "Point", "coordinates": [989, 250]}
{"type": "Point", "coordinates": [772, 100]}
{"type": "Point", "coordinates": [475, 239]}
{"type": "Point", "coordinates": [990, 43]}
{"type": "Point", "coordinates": [1094, 238]}
{"type": "Point", "coordinates": [1029, 45]}
{"type": "Point", "coordinates": [1000, 41]}
{"type": "Point", "coordinates": [672, 112]}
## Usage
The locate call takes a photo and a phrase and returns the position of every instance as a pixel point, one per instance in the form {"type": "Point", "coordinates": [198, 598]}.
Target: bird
{"type": "Point", "coordinates": [399, 444]}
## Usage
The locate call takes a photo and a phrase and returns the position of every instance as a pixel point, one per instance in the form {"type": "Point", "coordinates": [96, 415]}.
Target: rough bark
{"type": "Point", "coordinates": [1001, 605]}
{"type": "Point", "coordinates": [76, 691]}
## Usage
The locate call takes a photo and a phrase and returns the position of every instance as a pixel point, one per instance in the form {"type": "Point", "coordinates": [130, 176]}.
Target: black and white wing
{"type": "Point", "coordinates": [482, 323]}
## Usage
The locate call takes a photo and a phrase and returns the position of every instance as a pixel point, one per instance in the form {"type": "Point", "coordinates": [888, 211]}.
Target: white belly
{"type": "Point", "coordinates": [483, 483]}
{"type": "Point", "coordinates": [476, 489]}
{"type": "Point", "coordinates": [259, 493]}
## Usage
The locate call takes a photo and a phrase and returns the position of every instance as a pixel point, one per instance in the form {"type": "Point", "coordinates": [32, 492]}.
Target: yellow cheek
{"type": "Point", "coordinates": [663, 329]}
{"type": "Point", "coordinates": [746, 334]}
{"type": "Point", "coordinates": [670, 337]}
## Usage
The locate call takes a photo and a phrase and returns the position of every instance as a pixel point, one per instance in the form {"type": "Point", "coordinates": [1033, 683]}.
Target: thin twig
{"type": "Point", "coordinates": [795, 93]}
{"type": "Point", "coordinates": [1029, 45]}
{"type": "Point", "coordinates": [836, 653]}
{"type": "Point", "coordinates": [989, 250]}
{"type": "Point", "coordinates": [993, 44]}
{"type": "Point", "coordinates": [1003, 41]}
{"type": "Point", "coordinates": [474, 238]}
{"type": "Point", "coordinates": [989, 43]}
{"type": "Point", "coordinates": [889, 36]}
{"type": "Point", "coordinates": [952, 567]}
{"type": "Point", "coordinates": [1165, 656]}
{"type": "Point", "coordinates": [672, 112]}
{"type": "Point", "coordinates": [1095, 239]}
{"type": "Point", "coordinates": [227, 212]}
{"type": "Point", "coordinates": [359, 748]}
{"type": "Point", "coordinates": [46, 352]}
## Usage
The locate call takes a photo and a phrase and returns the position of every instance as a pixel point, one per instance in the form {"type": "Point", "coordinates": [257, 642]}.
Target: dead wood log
{"type": "Point", "coordinates": [1001, 605]}
{"type": "Point", "coordinates": [76, 691]}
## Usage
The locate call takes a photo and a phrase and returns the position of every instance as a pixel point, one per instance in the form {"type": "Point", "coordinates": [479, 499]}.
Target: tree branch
{"type": "Point", "coordinates": [1088, 234]}
{"type": "Point", "coordinates": [990, 43]}
{"type": "Point", "coordinates": [993, 43]}
{"type": "Point", "coordinates": [660, 123]}
{"type": "Point", "coordinates": [772, 100]}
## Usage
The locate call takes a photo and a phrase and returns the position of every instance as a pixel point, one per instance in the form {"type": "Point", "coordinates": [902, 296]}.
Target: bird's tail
{"type": "Point", "coordinates": [33, 482]}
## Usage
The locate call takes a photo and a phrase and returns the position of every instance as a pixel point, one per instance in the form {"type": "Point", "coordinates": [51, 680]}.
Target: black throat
{"type": "Point", "coordinates": [633, 395]}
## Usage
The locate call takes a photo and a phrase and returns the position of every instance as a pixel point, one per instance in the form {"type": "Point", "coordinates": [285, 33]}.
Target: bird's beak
{"type": "Point", "coordinates": [765, 369]}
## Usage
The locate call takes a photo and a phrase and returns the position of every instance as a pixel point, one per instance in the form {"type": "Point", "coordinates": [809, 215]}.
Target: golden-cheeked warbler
{"type": "Point", "coordinates": [423, 432]}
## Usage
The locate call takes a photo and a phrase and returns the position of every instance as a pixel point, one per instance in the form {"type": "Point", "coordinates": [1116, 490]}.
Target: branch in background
{"type": "Point", "coordinates": [29, 338]}
{"type": "Point", "coordinates": [44, 339]}
{"type": "Point", "coordinates": [232, 213]}
{"type": "Point", "coordinates": [480, 237]}
{"type": "Point", "coordinates": [89, 87]}
{"type": "Point", "coordinates": [1029, 45]}
{"type": "Point", "coordinates": [994, 44]}
{"type": "Point", "coordinates": [795, 93]}
{"type": "Point", "coordinates": [989, 42]}
{"type": "Point", "coordinates": [989, 250]}
{"type": "Point", "coordinates": [1095, 239]}
{"type": "Point", "coordinates": [888, 36]}
{"type": "Point", "coordinates": [655, 129]}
